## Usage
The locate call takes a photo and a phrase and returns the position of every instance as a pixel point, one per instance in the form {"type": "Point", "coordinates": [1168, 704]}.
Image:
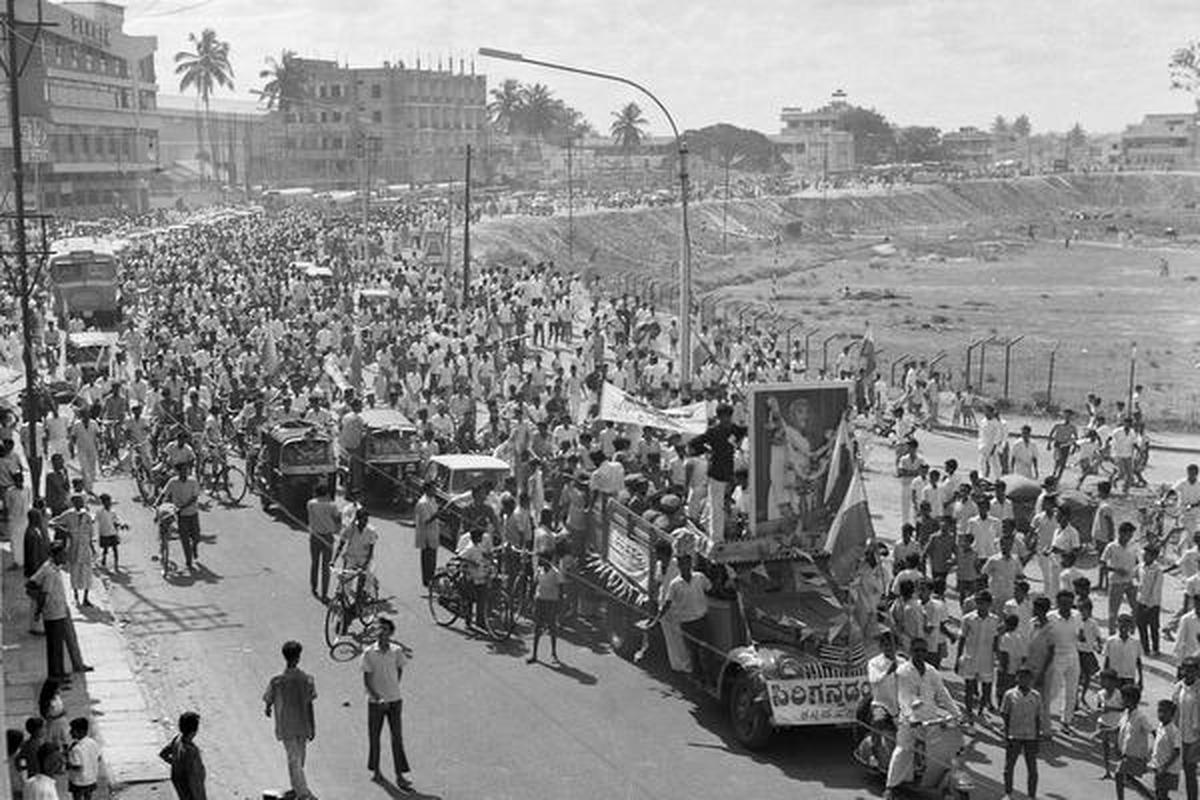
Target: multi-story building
{"type": "Point", "coordinates": [228, 144]}
{"type": "Point", "coordinates": [88, 93]}
{"type": "Point", "coordinates": [399, 124]}
{"type": "Point", "coordinates": [811, 141]}
{"type": "Point", "coordinates": [1163, 141]}
{"type": "Point", "coordinates": [969, 148]}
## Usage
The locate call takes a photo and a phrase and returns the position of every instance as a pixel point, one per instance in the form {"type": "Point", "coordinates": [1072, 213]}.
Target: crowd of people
{"type": "Point", "coordinates": [224, 336]}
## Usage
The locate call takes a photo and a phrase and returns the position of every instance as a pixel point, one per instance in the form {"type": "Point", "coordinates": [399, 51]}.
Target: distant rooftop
{"type": "Point", "coordinates": [226, 105]}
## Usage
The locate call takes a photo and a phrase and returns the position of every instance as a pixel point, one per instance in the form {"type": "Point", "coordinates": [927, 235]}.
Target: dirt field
{"type": "Point", "coordinates": [964, 270]}
{"type": "Point", "coordinates": [1089, 302]}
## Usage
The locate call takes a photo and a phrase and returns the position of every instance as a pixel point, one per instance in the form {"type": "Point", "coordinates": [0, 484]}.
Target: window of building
{"type": "Point", "coordinates": [324, 116]}
{"type": "Point", "coordinates": [376, 91]}
{"type": "Point", "coordinates": [336, 143]}
{"type": "Point", "coordinates": [321, 90]}
{"type": "Point", "coordinates": [335, 90]}
{"type": "Point", "coordinates": [376, 116]}
{"type": "Point", "coordinates": [85, 145]}
{"type": "Point", "coordinates": [337, 116]}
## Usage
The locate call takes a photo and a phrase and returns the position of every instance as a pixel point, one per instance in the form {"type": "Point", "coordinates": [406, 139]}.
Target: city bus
{"type": "Point", "coordinates": [84, 274]}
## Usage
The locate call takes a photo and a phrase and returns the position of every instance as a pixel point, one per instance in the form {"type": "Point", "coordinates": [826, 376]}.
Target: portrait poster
{"type": "Point", "coordinates": [799, 459]}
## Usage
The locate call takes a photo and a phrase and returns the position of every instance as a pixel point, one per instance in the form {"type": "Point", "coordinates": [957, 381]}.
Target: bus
{"type": "Point", "coordinates": [84, 274]}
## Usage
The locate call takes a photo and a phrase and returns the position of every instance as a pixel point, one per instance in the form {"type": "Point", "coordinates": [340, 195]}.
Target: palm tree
{"type": "Point", "coordinates": [285, 86]}
{"type": "Point", "coordinates": [627, 130]}
{"type": "Point", "coordinates": [205, 68]}
{"type": "Point", "coordinates": [628, 127]}
{"type": "Point", "coordinates": [507, 106]}
{"type": "Point", "coordinates": [540, 110]}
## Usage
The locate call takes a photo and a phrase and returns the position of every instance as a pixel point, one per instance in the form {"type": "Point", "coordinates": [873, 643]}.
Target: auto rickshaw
{"type": "Point", "coordinates": [296, 456]}
{"type": "Point", "coordinates": [391, 454]}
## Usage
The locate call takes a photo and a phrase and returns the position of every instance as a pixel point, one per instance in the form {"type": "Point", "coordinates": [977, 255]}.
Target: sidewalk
{"type": "Point", "coordinates": [110, 696]}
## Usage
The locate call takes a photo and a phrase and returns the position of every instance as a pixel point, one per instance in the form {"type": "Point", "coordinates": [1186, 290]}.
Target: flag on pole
{"type": "Point", "coordinates": [839, 460]}
{"type": "Point", "coordinates": [850, 533]}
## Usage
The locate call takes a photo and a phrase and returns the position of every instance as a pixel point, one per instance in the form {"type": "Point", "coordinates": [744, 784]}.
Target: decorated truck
{"type": "Point", "coordinates": [783, 644]}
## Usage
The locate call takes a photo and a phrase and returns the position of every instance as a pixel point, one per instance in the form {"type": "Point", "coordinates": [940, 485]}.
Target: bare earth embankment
{"type": "Point", "coordinates": [964, 269]}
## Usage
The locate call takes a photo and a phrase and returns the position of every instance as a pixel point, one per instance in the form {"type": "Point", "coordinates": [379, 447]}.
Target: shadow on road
{"type": "Point", "coordinates": [396, 792]}
{"type": "Point", "coordinates": [200, 574]}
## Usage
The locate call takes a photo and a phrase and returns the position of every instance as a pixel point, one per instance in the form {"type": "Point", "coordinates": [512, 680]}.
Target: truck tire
{"type": "Point", "coordinates": [750, 720]}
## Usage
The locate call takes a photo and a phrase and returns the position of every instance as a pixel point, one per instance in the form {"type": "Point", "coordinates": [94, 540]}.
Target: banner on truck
{"type": "Point", "coordinates": [800, 463]}
{"type": "Point", "coordinates": [617, 406]}
{"type": "Point", "coordinates": [630, 545]}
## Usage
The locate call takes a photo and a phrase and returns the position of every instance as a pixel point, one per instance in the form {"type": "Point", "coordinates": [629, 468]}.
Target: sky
{"type": "Point", "coordinates": [948, 63]}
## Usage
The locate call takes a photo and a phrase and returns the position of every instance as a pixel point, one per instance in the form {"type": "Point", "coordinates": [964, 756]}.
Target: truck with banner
{"type": "Point", "coordinates": [783, 644]}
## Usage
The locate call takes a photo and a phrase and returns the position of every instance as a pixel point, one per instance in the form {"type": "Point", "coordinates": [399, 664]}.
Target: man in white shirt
{"type": "Point", "coordinates": [1187, 499]}
{"type": "Point", "coordinates": [382, 667]}
{"type": "Point", "coordinates": [921, 696]}
{"type": "Point", "coordinates": [1121, 559]}
{"type": "Point", "coordinates": [1122, 445]}
{"type": "Point", "coordinates": [687, 602]}
{"type": "Point", "coordinates": [1065, 629]}
{"type": "Point", "coordinates": [993, 437]}
{"type": "Point", "coordinates": [885, 698]}
{"type": "Point", "coordinates": [1023, 454]}
{"type": "Point", "coordinates": [985, 529]}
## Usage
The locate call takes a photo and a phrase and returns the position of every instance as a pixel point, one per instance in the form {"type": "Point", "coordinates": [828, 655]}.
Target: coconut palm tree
{"type": "Point", "coordinates": [628, 127]}
{"type": "Point", "coordinates": [507, 106]}
{"type": "Point", "coordinates": [540, 110]}
{"type": "Point", "coordinates": [205, 68]}
{"type": "Point", "coordinates": [285, 87]}
{"type": "Point", "coordinates": [627, 130]}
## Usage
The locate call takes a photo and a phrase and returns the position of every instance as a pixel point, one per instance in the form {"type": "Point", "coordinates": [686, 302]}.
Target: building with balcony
{"type": "Point", "coordinates": [394, 123]}
{"type": "Point", "coordinates": [970, 149]}
{"type": "Point", "coordinates": [812, 143]}
{"type": "Point", "coordinates": [1162, 141]}
{"type": "Point", "coordinates": [87, 95]}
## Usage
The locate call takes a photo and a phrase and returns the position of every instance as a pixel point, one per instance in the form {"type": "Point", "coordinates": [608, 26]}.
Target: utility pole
{"type": "Point", "coordinates": [467, 229]}
{"type": "Point", "coordinates": [570, 205]}
{"type": "Point", "coordinates": [23, 281]}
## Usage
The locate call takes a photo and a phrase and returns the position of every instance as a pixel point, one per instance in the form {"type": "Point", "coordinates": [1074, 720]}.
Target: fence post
{"type": "Point", "coordinates": [1050, 378]}
{"type": "Point", "coordinates": [808, 336]}
{"type": "Point", "coordinates": [1008, 346]}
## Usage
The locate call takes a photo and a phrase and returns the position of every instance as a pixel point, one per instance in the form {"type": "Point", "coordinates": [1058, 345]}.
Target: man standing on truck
{"type": "Point", "coordinates": [687, 602]}
{"type": "Point", "coordinates": [722, 439]}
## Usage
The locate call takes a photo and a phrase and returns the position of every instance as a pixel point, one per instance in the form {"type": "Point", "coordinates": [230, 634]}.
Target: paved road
{"type": "Point", "coordinates": [481, 723]}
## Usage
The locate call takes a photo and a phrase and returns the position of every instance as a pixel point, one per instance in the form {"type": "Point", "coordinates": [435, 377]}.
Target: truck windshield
{"type": "Point", "coordinates": [389, 443]}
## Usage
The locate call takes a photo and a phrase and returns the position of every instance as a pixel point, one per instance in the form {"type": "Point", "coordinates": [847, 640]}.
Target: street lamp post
{"type": "Point", "coordinates": [685, 246]}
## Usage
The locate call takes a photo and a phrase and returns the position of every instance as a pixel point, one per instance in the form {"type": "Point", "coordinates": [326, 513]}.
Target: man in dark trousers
{"type": "Point", "coordinates": [52, 592]}
{"type": "Point", "coordinates": [722, 440]}
{"type": "Point", "coordinates": [289, 696]}
{"type": "Point", "coordinates": [324, 522]}
{"type": "Point", "coordinates": [382, 666]}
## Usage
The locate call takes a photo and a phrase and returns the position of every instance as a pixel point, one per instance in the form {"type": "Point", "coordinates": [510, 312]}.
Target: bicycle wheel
{"type": "Point", "coordinates": [521, 599]}
{"type": "Point", "coordinates": [335, 614]}
{"type": "Point", "coordinates": [233, 484]}
{"type": "Point", "coordinates": [145, 484]}
{"type": "Point", "coordinates": [499, 619]}
{"type": "Point", "coordinates": [445, 603]}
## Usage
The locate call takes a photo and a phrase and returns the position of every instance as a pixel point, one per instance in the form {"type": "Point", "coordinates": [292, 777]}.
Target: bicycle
{"type": "Point", "coordinates": [351, 603]}
{"type": "Point", "coordinates": [517, 578]}
{"type": "Point", "coordinates": [223, 481]}
{"type": "Point", "coordinates": [448, 600]}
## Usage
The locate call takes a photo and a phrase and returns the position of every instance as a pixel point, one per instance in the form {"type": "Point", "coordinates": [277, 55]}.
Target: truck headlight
{"type": "Point", "coordinates": [789, 667]}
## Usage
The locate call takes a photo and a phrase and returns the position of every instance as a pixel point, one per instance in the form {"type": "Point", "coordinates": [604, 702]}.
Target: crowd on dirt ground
{"type": "Point", "coordinates": [223, 338]}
